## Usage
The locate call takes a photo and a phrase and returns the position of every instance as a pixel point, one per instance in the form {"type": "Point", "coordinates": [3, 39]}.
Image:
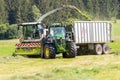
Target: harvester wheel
{"type": "Point", "coordinates": [71, 50]}
{"type": "Point", "coordinates": [98, 49]}
{"type": "Point", "coordinates": [106, 49]}
{"type": "Point", "coordinates": [14, 54]}
{"type": "Point", "coordinates": [49, 51]}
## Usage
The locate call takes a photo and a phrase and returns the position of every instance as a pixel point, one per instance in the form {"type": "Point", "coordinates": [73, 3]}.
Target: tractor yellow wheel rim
{"type": "Point", "coordinates": [47, 52]}
{"type": "Point", "coordinates": [67, 53]}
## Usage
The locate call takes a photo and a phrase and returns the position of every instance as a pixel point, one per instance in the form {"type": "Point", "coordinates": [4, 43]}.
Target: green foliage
{"type": "Point", "coordinates": [70, 21]}
{"type": "Point", "coordinates": [3, 29]}
{"type": "Point", "coordinates": [17, 11]}
{"type": "Point", "coordinates": [3, 12]}
{"type": "Point", "coordinates": [36, 12]}
{"type": "Point", "coordinates": [8, 31]}
{"type": "Point", "coordinates": [11, 32]}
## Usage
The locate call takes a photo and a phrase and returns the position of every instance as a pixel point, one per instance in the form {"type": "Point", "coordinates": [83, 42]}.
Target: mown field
{"type": "Point", "coordinates": [85, 67]}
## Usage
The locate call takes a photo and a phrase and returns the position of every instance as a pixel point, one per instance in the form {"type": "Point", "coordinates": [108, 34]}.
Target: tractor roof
{"type": "Point", "coordinates": [56, 25]}
{"type": "Point", "coordinates": [29, 23]}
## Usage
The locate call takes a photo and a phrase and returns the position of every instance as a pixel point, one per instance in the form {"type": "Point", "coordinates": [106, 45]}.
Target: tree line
{"type": "Point", "coordinates": [17, 11]}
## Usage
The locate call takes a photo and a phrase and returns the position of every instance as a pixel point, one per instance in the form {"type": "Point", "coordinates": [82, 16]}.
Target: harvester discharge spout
{"type": "Point", "coordinates": [60, 8]}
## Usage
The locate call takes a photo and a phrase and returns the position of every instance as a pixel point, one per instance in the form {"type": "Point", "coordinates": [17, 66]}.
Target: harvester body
{"type": "Point", "coordinates": [30, 35]}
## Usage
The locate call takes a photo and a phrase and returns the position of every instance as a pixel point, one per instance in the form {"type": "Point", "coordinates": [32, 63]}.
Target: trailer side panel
{"type": "Point", "coordinates": [92, 31]}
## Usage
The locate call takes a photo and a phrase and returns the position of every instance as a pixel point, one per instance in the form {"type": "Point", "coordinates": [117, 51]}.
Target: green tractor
{"type": "Point", "coordinates": [58, 41]}
{"type": "Point", "coordinates": [36, 39]}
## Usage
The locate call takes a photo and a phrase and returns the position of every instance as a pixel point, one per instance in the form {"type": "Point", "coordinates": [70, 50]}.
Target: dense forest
{"type": "Point", "coordinates": [17, 11]}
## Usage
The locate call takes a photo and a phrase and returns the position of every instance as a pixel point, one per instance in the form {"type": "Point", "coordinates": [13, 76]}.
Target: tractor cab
{"type": "Point", "coordinates": [57, 31]}
{"type": "Point", "coordinates": [29, 32]}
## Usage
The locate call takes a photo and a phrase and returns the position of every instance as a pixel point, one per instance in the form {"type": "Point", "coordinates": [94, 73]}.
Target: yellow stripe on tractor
{"type": "Point", "coordinates": [28, 51]}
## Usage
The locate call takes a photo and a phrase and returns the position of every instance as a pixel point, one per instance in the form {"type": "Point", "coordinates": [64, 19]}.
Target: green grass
{"type": "Point", "coordinates": [115, 47]}
{"type": "Point", "coordinates": [116, 28]}
{"type": "Point", "coordinates": [86, 67]}
{"type": "Point", "coordinates": [7, 47]}
{"type": "Point", "coordinates": [105, 67]}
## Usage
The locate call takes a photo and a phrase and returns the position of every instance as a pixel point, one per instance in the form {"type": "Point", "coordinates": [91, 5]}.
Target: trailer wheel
{"type": "Point", "coordinates": [71, 53]}
{"type": "Point", "coordinates": [49, 51]}
{"type": "Point", "coordinates": [98, 49]}
{"type": "Point", "coordinates": [106, 49]}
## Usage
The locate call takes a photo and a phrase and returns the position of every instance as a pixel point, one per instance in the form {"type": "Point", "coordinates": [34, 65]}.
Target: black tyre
{"type": "Point", "coordinates": [106, 49]}
{"type": "Point", "coordinates": [98, 49]}
{"type": "Point", "coordinates": [49, 51]}
{"type": "Point", "coordinates": [41, 52]}
{"type": "Point", "coordinates": [14, 54]}
{"type": "Point", "coordinates": [82, 50]}
{"type": "Point", "coordinates": [71, 53]}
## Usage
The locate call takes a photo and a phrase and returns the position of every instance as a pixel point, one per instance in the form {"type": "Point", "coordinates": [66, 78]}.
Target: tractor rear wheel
{"type": "Point", "coordinates": [71, 53]}
{"type": "Point", "coordinates": [49, 51]}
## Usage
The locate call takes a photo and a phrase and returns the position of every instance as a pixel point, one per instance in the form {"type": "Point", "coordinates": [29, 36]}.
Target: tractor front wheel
{"type": "Point", "coordinates": [49, 51]}
{"type": "Point", "coordinates": [71, 53]}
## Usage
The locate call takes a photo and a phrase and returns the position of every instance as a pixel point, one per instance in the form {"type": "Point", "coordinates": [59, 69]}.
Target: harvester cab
{"type": "Point", "coordinates": [30, 35]}
{"type": "Point", "coordinates": [30, 32]}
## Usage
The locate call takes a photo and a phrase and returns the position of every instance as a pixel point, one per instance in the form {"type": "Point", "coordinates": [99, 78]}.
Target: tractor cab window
{"type": "Point", "coordinates": [58, 32]}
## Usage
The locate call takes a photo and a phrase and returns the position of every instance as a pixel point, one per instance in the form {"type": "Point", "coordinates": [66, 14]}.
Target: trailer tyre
{"type": "Point", "coordinates": [49, 51]}
{"type": "Point", "coordinates": [71, 47]}
{"type": "Point", "coordinates": [98, 49]}
{"type": "Point", "coordinates": [106, 49]}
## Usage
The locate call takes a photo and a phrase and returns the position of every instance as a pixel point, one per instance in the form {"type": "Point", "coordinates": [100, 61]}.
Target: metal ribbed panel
{"type": "Point", "coordinates": [92, 31]}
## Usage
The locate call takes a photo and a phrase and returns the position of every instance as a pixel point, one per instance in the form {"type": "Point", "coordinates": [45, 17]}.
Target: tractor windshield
{"type": "Point", "coordinates": [30, 32]}
{"type": "Point", "coordinates": [58, 32]}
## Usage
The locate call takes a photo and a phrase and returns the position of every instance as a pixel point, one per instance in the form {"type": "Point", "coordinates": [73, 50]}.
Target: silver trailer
{"type": "Point", "coordinates": [92, 36]}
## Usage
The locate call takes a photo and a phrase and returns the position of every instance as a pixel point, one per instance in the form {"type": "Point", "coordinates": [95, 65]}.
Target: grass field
{"type": "Point", "coordinates": [116, 28]}
{"type": "Point", "coordinates": [86, 67]}
{"type": "Point", "coordinates": [7, 47]}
